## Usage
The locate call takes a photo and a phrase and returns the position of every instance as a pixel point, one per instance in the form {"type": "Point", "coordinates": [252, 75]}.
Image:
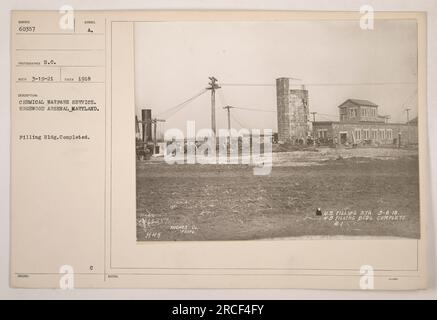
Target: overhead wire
{"type": "Point", "coordinates": [173, 110]}
{"type": "Point", "coordinates": [254, 109]}
{"type": "Point", "coordinates": [323, 84]}
{"type": "Point", "coordinates": [237, 121]}
{"type": "Point", "coordinates": [168, 113]}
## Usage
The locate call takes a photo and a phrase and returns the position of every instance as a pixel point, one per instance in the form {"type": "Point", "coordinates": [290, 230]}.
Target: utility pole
{"type": "Point", "coordinates": [408, 125]}
{"type": "Point", "coordinates": [213, 86]}
{"type": "Point", "coordinates": [154, 121]}
{"type": "Point", "coordinates": [229, 126]}
{"type": "Point", "coordinates": [407, 110]}
{"type": "Point", "coordinates": [229, 116]}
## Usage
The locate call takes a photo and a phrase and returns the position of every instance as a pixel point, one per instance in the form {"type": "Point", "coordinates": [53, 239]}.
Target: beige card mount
{"type": "Point", "coordinates": [218, 149]}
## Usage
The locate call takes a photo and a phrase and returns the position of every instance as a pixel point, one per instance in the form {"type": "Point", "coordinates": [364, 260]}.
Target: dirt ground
{"type": "Point", "coordinates": [360, 192]}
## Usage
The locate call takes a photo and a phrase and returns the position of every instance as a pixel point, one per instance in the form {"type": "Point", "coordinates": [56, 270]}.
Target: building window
{"type": "Point", "coordinates": [374, 134]}
{"type": "Point", "coordinates": [358, 134]}
{"type": "Point", "coordinates": [382, 134]}
{"type": "Point", "coordinates": [343, 114]}
{"type": "Point", "coordinates": [389, 134]}
{"type": "Point", "coordinates": [322, 133]}
{"type": "Point", "coordinates": [366, 134]}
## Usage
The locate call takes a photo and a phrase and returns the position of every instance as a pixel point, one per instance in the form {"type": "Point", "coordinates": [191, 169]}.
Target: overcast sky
{"type": "Point", "coordinates": [173, 61]}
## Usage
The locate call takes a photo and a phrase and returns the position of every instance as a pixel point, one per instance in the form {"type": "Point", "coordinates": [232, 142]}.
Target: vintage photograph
{"type": "Point", "coordinates": [276, 130]}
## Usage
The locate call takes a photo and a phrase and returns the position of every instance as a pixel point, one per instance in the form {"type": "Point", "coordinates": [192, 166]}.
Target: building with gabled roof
{"type": "Point", "coordinates": [360, 123]}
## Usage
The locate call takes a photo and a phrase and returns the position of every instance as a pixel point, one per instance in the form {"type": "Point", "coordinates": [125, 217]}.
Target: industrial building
{"type": "Point", "coordinates": [359, 122]}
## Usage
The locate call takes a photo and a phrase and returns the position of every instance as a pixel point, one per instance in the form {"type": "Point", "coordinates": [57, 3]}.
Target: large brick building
{"type": "Point", "coordinates": [360, 123]}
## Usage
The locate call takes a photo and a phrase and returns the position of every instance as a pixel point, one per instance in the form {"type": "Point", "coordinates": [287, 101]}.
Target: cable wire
{"type": "Point", "coordinates": [254, 109]}
{"type": "Point", "coordinates": [322, 84]}
{"type": "Point", "coordinates": [173, 110]}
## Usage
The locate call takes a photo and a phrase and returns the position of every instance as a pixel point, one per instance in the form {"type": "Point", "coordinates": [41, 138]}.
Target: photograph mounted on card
{"type": "Point", "coordinates": [219, 149]}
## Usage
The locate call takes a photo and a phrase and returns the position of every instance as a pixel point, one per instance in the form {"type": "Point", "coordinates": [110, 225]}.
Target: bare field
{"type": "Point", "coordinates": [360, 193]}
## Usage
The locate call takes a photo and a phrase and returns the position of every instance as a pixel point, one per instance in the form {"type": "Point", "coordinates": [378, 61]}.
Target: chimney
{"type": "Point", "coordinates": [146, 117]}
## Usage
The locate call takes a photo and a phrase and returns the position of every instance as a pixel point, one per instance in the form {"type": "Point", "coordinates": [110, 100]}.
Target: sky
{"type": "Point", "coordinates": [336, 60]}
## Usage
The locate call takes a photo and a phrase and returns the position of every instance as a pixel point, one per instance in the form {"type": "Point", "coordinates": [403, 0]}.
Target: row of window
{"type": "Point", "coordinates": [353, 112]}
{"type": "Point", "coordinates": [373, 134]}
{"type": "Point", "coordinates": [322, 133]}
{"type": "Point", "coordinates": [368, 112]}
{"type": "Point", "coordinates": [363, 134]}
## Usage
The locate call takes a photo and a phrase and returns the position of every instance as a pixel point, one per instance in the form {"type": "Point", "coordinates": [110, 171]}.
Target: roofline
{"type": "Point", "coordinates": [351, 100]}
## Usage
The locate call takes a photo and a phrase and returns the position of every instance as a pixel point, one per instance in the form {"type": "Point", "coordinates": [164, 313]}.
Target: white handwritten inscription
{"type": "Point", "coordinates": [338, 217]}
{"type": "Point", "coordinates": [186, 229]}
{"type": "Point", "coordinates": [153, 224]}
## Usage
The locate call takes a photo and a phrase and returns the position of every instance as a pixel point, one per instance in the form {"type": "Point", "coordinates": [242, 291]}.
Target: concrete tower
{"type": "Point", "coordinates": [293, 112]}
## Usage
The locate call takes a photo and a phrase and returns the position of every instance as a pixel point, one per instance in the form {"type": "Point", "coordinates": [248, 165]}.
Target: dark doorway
{"type": "Point", "coordinates": [343, 138]}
